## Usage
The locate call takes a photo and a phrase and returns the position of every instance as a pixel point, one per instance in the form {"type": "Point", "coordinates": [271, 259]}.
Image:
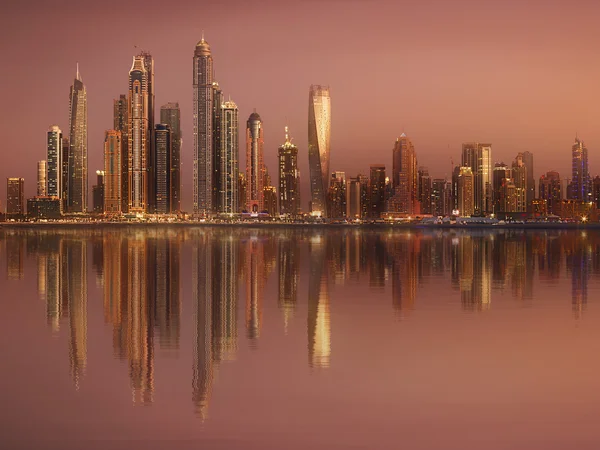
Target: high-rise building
{"type": "Point", "coordinates": [227, 170]}
{"type": "Point", "coordinates": [319, 135]}
{"type": "Point", "coordinates": [364, 194]}
{"type": "Point", "coordinates": [241, 191]}
{"type": "Point", "coordinates": [64, 175]}
{"type": "Point", "coordinates": [424, 191]}
{"type": "Point", "coordinates": [353, 198]}
{"type": "Point", "coordinates": [479, 158]}
{"type": "Point", "coordinates": [113, 147]}
{"type": "Point", "coordinates": [337, 195]}
{"type": "Point", "coordinates": [580, 178]}
{"type": "Point", "coordinates": [121, 124]}
{"type": "Point", "coordinates": [150, 150]}
{"type": "Point", "coordinates": [216, 146]}
{"type": "Point", "coordinates": [203, 129]}
{"type": "Point", "coordinates": [405, 177]}
{"type": "Point", "coordinates": [270, 199]}
{"type": "Point", "coordinates": [170, 114]}
{"type": "Point", "coordinates": [139, 136]}
{"type": "Point", "coordinates": [254, 164]}
{"type": "Point", "coordinates": [596, 191]}
{"type": "Point", "coordinates": [530, 195]}
{"type": "Point", "coordinates": [289, 177]}
{"type": "Point", "coordinates": [78, 170]}
{"type": "Point", "coordinates": [438, 188]}
{"type": "Point", "coordinates": [55, 162]}
{"type": "Point", "coordinates": [550, 189]}
{"type": "Point", "coordinates": [15, 196]}
{"type": "Point", "coordinates": [41, 178]}
{"type": "Point", "coordinates": [162, 179]}
{"type": "Point", "coordinates": [511, 197]}
{"type": "Point", "coordinates": [519, 175]}
{"type": "Point", "coordinates": [98, 193]}
{"type": "Point", "coordinates": [376, 191]}
{"type": "Point", "coordinates": [466, 197]}
{"type": "Point", "coordinates": [500, 173]}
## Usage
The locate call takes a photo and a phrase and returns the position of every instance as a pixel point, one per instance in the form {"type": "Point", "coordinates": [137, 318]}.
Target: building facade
{"type": "Point", "coordinates": [162, 178]}
{"type": "Point", "coordinates": [550, 189]}
{"type": "Point", "coordinates": [15, 196]}
{"type": "Point", "coordinates": [580, 176]}
{"type": "Point", "coordinates": [121, 124]}
{"type": "Point", "coordinates": [54, 164]}
{"type": "Point", "coordinates": [42, 178]}
{"type": "Point", "coordinates": [405, 181]}
{"type": "Point", "coordinates": [289, 177]}
{"type": "Point", "coordinates": [227, 170]}
{"type": "Point", "coordinates": [113, 149]}
{"type": "Point", "coordinates": [377, 198]}
{"type": "Point", "coordinates": [478, 157]}
{"type": "Point", "coordinates": [319, 137]}
{"type": "Point", "coordinates": [466, 194]}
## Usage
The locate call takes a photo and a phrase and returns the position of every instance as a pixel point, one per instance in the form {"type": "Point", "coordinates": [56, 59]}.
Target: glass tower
{"type": "Point", "coordinates": [77, 187]}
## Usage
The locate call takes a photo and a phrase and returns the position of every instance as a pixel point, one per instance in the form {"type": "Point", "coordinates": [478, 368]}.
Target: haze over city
{"type": "Point", "coordinates": [521, 76]}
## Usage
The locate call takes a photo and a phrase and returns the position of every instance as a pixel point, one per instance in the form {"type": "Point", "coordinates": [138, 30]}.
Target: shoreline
{"type": "Point", "coordinates": [375, 226]}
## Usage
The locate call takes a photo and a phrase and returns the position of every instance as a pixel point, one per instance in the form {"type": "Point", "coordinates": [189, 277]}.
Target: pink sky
{"type": "Point", "coordinates": [521, 75]}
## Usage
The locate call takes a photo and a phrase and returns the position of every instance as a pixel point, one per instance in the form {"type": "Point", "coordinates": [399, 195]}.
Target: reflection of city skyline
{"type": "Point", "coordinates": [249, 272]}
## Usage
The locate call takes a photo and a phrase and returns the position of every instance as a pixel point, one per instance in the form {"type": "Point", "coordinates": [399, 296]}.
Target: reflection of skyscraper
{"type": "Point", "coordinates": [319, 135]}
{"type": "Point", "coordinates": [15, 258]}
{"type": "Point", "coordinates": [404, 250]}
{"type": "Point", "coordinates": [166, 270]}
{"type": "Point", "coordinates": [289, 274]}
{"type": "Point", "coordinates": [254, 267]}
{"type": "Point", "coordinates": [74, 277]}
{"type": "Point", "coordinates": [78, 170]}
{"type": "Point", "coordinates": [319, 316]}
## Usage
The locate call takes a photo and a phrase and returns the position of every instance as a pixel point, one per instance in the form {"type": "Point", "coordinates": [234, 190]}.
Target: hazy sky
{"type": "Point", "coordinates": [523, 75]}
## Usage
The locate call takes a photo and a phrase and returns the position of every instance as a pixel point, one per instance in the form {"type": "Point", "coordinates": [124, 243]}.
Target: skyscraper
{"type": "Point", "coordinates": [337, 195]}
{"type": "Point", "coordinates": [228, 153]}
{"type": "Point", "coordinates": [113, 147]}
{"type": "Point", "coordinates": [41, 178]}
{"type": "Point", "coordinates": [55, 162]}
{"type": "Point", "coordinates": [289, 177]}
{"type": "Point", "coordinates": [519, 175]}
{"type": "Point", "coordinates": [404, 177]}
{"type": "Point", "coordinates": [121, 124]}
{"type": "Point", "coordinates": [254, 164]}
{"type": "Point", "coordinates": [139, 136]}
{"type": "Point", "coordinates": [479, 158]}
{"type": "Point", "coordinates": [530, 195]}
{"type": "Point", "coordinates": [466, 198]}
{"type": "Point", "coordinates": [98, 193]}
{"type": "Point", "coordinates": [162, 144]}
{"type": "Point", "coordinates": [353, 199]}
{"type": "Point", "coordinates": [64, 174]}
{"type": "Point", "coordinates": [150, 150]}
{"type": "Point", "coordinates": [170, 114]}
{"type": "Point", "coordinates": [500, 173]}
{"type": "Point", "coordinates": [424, 190]}
{"type": "Point", "coordinates": [377, 191]}
{"type": "Point", "coordinates": [78, 170]}
{"type": "Point", "coordinates": [550, 189]}
{"type": "Point", "coordinates": [580, 179]}
{"type": "Point", "coordinates": [319, 135]}
{"type": "Point", "coordinates": [15, 196]}
{"type": "Point", "coordinates": [203, 128]}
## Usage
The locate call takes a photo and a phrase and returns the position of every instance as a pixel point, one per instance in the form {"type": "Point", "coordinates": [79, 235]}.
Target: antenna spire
{"type": "Point", "coordinates": [202, 35]}
{"type": "Point", "coordinates": [77, 75]}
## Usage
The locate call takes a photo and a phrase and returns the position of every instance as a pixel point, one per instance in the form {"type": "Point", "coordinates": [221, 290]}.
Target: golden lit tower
{"type": "Point", "coordinates": [319, 136]}
{"type": "Point", "coordinates": [254, 164]}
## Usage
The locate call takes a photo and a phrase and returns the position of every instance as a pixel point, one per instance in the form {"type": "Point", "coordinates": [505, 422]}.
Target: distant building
{"type": "Point", "coordinates": [466, 198]}
{"type": "Point", "coordinates": [539, 207]}
{"type": "Point", "coordinates": [162, 174]}
{"type": "Point", "coordinates": [170, 115]}
{"type": "Point", "coordinates": [353, 199]}
{"type": "Point", "coordinates": [364, 194]}
{"type": "Point", "coordinates": [54, 165]}
{"type": "Point", "coordinates": [44, 208]}
{"type": "Point", "coordinates": [289, 177]}
{"type": "Point", "coordinates": [41, 178]}
{"type": "Point", "coordinates": [500, 173]}
{"type": "Point", "coordinates": [337, 195]}
{"type": "Point", "coordinates": [121, 124]}
{"type": "Point", "coordinates": [478, 157]}
{"type": "Point", "coordinates": [580, 181]}
{"type": "Point", "coordinates": [550, 189]}
{"type": "Point", "coordinates": [519, 175]}
{"type": "Point", "coordinates": [424, 196]}
{"type": "Point", "coordinates": [596, 191]}
{"type": "Point", "coordinates": [439, 198]}
{"type": "Point", "coordinates": [242, 191]}
{"type": "Point", "coordinates": [15, 196]}
{"type": "Point", "coordinates": [113, 183]}
{"type": "Point", "coordinates": [376, 191]}
{"type": "Point", "coordinates": [405, 177]}
{"type": "Point", "coordinates": [270, 200]}
{"type": "Point", "coordinates": [98, 192]}
{"type": "Point", "coordinates": [228, 151]}
{"type": "Point", "coordinates": [530, 195]}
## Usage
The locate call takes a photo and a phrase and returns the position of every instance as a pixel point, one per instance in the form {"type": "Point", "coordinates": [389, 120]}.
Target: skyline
{"type": "Point", "coordinates": [542, 104]}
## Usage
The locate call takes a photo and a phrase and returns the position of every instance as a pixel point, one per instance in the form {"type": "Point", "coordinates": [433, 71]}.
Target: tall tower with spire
{"type": "Point", "coordinates": [139, 136]}
{"type": "Point", "coordinates": [203, 116]}
{"type": "Point", "coordinates": [289, 177]}
{"type": "Point", "coordinates": [255, 169]}
{"type": "Point", "coordinates": [319, 136]}
{"type": "Point", "coordinates": [77, 163]}
{"type": "Point", "coordinates": [580, 188]}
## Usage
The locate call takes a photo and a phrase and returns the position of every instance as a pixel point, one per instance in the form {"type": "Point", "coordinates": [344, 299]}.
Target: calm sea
{"type": "Point", "coordinates": [224, 338]}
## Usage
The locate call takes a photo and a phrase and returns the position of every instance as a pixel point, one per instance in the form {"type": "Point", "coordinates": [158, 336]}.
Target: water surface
{"type": "Point", "coordinates": [293, 339]}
